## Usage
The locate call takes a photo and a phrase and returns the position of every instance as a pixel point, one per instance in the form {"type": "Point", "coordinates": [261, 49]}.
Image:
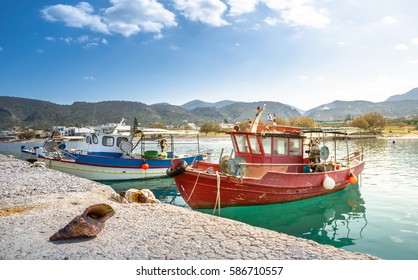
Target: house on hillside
{"type": "Point", "coordinates": [71, 131]}
{"type": "Point", "coordinates": [7, 135]}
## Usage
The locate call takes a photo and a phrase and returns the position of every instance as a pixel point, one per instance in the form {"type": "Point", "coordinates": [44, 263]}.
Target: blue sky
{"type": "Point", "coordinates": [299, 52]}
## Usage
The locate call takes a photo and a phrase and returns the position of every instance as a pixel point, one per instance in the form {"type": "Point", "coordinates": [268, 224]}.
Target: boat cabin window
{"type": "Point", "coordinates": [242, 143]}
{"type": "Point", "coordinates": [88, 140]}
{"type": "Point", "coordinates": [95, 139]}
{"type": "Point", "coordinates": [254, 144]}
{"type": "Point", "coordinates": [280, 146]}
{"type": "Point", "coordinates": [108, 141]}
{"type": "Point", "coordinates": [120, 140]}
{"type": "Point", "coordinates": [267, 145]}
{"type": "Point", "coordinates": [295, 147]}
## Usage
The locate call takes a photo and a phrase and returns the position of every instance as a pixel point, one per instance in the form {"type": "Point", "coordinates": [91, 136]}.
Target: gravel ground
{"type": "Point", "coordinates": [35, 202]}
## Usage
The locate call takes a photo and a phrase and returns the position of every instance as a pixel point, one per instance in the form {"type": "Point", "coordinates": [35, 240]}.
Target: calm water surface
{"type": "Point", "coordinates": [377, 216]}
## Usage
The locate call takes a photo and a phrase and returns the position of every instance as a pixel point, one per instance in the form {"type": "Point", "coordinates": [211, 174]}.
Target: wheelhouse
{"type": "Point", "coordinates": [283, 145]}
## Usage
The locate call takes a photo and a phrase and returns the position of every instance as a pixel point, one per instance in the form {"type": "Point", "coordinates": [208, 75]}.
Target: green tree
{"type": "Point", "coordinates": [377, 121]}
{"type": "Point", "coordinates": [27, 135]}
{"type": "Point", "coordinates": [134, 128]}
{"type": "Point", "coordinates": [136, 124]}
{"type": "Point", "coordinates": [373, 122]}
{"type": "Point", "coordinates": [302, 122]}
{"type": "Point", "coordinates": [210, 127]}
{"type": "Point", "coordinates": [360, 122]}
{"type": "Point", "coordinates": [281, 121]}
{"type": "Point", "coordinates": [244, 125]}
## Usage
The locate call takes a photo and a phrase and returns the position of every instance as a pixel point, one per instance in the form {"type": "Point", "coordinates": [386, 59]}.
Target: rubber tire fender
{"type": "Point", "coordinates": [180, 169]}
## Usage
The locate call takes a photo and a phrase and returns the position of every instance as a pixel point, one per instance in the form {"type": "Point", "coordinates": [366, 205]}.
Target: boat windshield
{"type": "Point", "coordinates": [280, 146]}
{"type": "Point", "coordinates": [241, 144]}
{"type": "Point", "coordinates": [255, 148]}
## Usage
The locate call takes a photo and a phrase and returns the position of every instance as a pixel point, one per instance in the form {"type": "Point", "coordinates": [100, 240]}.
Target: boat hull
{"type": "Point", "coordinates": [200, 189]}
{"type": "Point", "coordinates": [107, 169]}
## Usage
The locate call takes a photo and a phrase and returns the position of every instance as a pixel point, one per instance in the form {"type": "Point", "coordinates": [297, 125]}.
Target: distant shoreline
{"type": "Point", "coordinates": [223, 136]}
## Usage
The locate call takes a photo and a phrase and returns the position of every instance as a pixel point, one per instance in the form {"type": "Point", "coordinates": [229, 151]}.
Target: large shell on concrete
{"type": "Point", "coordinates": [140, 196]}
{"type": "Point", "coordinates": [88, 224]}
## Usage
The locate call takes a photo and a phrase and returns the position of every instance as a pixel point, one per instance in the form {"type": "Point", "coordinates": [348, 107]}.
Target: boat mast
{"type": "Point", "coordinates": [256, 120]}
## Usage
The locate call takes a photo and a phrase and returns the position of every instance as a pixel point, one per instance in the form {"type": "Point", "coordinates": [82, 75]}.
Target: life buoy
{"type": "Point", "coordinates": [180, 169]}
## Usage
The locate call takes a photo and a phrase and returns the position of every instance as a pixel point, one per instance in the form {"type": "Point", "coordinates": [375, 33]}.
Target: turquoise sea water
{"type": "Point", "coordinates": [377, 216]}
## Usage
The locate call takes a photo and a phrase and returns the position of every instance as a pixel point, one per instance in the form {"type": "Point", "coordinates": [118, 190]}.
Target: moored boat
{"type": "Point", "coordinates": [28, 154]}
{"type": "Point", "coordinates": [272, 164]}
{"type": "Point", "coordinates": [113, 152]}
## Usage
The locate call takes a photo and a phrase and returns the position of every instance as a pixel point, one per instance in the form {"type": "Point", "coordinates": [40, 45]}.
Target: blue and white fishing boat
{"type": "Point", "coordinates": [113, 152]}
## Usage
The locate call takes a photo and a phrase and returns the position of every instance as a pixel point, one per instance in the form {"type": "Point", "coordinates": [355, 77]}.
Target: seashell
{"type": "Point", "coordinates": [119, 197]}
{"type": "Point", "coordinates": [140, 196]}
{"type": "Point", "coordinates": [88, 224]}
{"type": "Point", "coordinates": [148, 193]}
{"type": "Point", "coordinates": [38, 164]}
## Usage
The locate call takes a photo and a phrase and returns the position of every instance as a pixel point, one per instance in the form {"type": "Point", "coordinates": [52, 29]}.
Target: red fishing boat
{"type": "Point", "coordinates": [272, 164]}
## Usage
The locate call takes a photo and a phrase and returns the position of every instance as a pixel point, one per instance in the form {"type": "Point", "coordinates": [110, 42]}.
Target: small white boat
{"type": "Point", "coordinates": [29, 154]}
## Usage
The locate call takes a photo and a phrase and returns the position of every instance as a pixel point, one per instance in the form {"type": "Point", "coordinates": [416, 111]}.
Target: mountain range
{"type": "Point", "coordinates": [24, 112]}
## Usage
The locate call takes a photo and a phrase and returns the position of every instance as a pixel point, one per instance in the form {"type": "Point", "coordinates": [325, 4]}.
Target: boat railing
{"type": "Point", "coordinates": [258, 170]}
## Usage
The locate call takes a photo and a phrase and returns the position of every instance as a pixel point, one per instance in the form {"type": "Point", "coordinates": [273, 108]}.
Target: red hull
{"type": "Point", "coordinates": [199, 188]}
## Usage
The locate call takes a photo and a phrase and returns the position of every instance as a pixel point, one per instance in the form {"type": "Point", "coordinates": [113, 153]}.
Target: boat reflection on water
{"type": "Point", "coordinates": [337, 219]}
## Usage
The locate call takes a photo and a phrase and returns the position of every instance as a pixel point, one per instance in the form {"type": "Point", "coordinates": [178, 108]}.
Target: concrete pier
{"type": "Point", "coordinates": [35, 202]}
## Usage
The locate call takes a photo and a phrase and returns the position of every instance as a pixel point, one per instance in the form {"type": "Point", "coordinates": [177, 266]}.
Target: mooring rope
{"type": "Point", "coordinates": [218, 194]}
{"type": "Point", "coordinates": [195, 184]}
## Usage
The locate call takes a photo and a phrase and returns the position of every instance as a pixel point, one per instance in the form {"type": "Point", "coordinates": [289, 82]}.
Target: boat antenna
{"type": "Point", "coordinates": [256, 120]}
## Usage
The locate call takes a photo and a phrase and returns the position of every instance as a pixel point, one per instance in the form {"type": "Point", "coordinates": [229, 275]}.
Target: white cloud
{"type": "Point", "coordinates": [67, 40]}
{"type": "Point", "coordinates": [126, 17]}
{"type": "Point", "coordinates": [305, 16]}
{"type": "Point", "coordinates": [174, 47]}
{"type": "Point", "coordinates": [129, 17]}
{"type": "Point", "coordinates": [91, 45]}
{"type": "Point", "coordinates": [271, 21]}
{"type": "Point", "coordinates": [49, 38]}
{"type": "Point", "coordinates": [238, 7]}
{"type": "Point", "coordinates": [292, 12]}
{"type": "Point", "coordinates": [389, 20]}
{"type": "Point", "coordinates": [414, 40]}
{"type": "Point", "coordinates": [89, 78]}
{"type": "Point", "coordinates": [206, 11]}
{"type": "Point", "coordinates": [85, 40]}
{"type": "Point", "coordinates": [401, 47]}
{"type": "Point", "coordinates": [80, 16]}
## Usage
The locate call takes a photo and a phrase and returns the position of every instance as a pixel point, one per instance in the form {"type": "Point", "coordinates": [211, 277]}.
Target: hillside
{"type": "Point", "coordinates": [410, 95]}
{"type": "Point", "coordinates": [202, 104]}
{"type": "Point", "coordinates": [343, 109]}
{"type": "Point", "coordinates": [24, 112]}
